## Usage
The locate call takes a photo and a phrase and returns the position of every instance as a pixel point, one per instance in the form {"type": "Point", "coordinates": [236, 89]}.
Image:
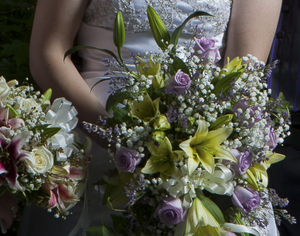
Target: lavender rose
{"type": "Point", "coordinates": [178, 83]}
{"type": "Point", "coordinates": [244, 162]}
{"type": "Point", "coordinates": [126, 160]}
{"type": "Point", "coordinates": [272, 142]}
{"type": "Point", "coordinates": [245, 198]}
{"type": "Point", "coordinates": [171, 212]}
{"type": "Point", "coordinates": [206, 50]}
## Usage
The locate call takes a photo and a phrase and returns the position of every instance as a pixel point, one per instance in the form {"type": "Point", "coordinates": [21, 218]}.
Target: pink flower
{"type": "Point", "coordinates": [13, 123]}
{"type": "Point", "coordinates": [206, 50]}
{"type": "Point", "coordinates": [8, 161]}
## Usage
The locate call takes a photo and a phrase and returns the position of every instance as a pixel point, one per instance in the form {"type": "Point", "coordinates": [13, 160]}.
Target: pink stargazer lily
{"type": "Point", "coordinates": [62, 195]}
{"type": "Point", "coordinates": [10, 155]}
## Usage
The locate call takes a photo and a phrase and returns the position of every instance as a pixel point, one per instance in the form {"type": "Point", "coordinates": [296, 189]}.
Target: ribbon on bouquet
{"type": "Point", "coordinates": [63, 115]}
{"type": "Point", "coordinates": [184, 184]}
{"type": "Point", "coordinates": [242, 229]}
{"type": "Point", "coordinates": [220, 182]}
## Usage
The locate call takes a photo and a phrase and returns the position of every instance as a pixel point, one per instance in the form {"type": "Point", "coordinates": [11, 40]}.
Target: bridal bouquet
{"type": "Point", "coordinates": [191, 142]}
{"type": "Point", "coordinates": [40, 161]}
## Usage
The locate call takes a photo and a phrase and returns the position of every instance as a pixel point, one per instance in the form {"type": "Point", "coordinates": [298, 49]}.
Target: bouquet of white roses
{"type": "Point", "coordinates": [40, 161]}
{"type": "Point", "coordinates": [186, 136]}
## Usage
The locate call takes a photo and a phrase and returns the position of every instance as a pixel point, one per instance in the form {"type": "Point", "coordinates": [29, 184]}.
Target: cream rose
{"type": "Point", "coordinates": [5, 87]}
{"type": "Point", "coordinates": [28, 104]}
{"type": "Point", "coordinates": [41, 161]}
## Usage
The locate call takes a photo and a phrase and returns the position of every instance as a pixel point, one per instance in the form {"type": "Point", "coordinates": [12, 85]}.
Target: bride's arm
{"type": "Point", "coordinates": [252, 27]}
{"type": "Point", "coordinates": [55, 26]}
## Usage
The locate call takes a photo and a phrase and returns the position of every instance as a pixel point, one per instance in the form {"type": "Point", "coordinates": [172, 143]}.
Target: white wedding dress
{"type": "Point", "coordinates": [97, 30]}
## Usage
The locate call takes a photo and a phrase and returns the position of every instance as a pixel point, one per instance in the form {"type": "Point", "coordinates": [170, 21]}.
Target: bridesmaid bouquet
{"type": "Point", "coordinates": [40, 161]}
{"type": "Point", "coordinates": [191, 142]}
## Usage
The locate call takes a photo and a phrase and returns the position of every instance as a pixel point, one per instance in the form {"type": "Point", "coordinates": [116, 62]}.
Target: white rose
{"type": "Point", "coordinates": [41, 161]}
{"type": "Point", "coordinates": [5, 87]}
{"type": "Point", "coordinates": [28, 104]}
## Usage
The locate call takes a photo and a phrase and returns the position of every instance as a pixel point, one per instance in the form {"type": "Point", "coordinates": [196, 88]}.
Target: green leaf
{"type": "Point", "coordinates": [178, 64]}
{"type": "Point", "coordinates": [101, 182]}
{"type": "Point", "coordinates": [223, 120]}
{"type": "Point", "coordinates": [47, 95]}
{"type": "Point", "coordinates": [176, 34]}
{"type": "Point", "coordinates": [285, 104]}
{"type": "Point", "coordinates": [77, 48]}
{"type": "Point", "coordinates": [252, 180]}
{"type": "Point", "coordinates": [158, 28]}
{"type": "Point", "coordinates": [99, 231]}
{"type": "Point", "coordinates": [12, 112]}
{"type": "Point", "coordinates": [119, 223]}
{"type": "Point", "coordinates": [211, 207]}
{"type": "Point", "coordinates": [223, 83]}
{"type": "Point", "coordinates": [108, 192]}
{"type": "Point", "coordinates": [120, 115]}
{"type": "Point", "coordinates": [114, 100]}
{"type": "Point", "coordinates": [119, 33]}
{"type": "Point", "coordinates": [49, 132]}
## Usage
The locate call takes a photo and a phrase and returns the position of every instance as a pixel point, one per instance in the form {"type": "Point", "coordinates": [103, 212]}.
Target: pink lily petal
{"type": "Point", "coordinates": [4, 117]}
{"type": "Point", "coordinates": [15, 123]}
{"type": "Point", "coordinates": [52, 200]}
{"type": "Point", "coordinates": [16, 144]}
{"type": "Point", "coordinates": [76, 173]}
{"type": "Point", "coordinates": [65, 193]}
{"type": "Point", "coordinates": [2, 169]}
{"type": "Point", "coordinates": [12, 175]}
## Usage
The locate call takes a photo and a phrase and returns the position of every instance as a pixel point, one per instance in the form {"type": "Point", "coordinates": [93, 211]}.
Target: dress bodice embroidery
{"type": "Point", "coordinates": [101, 13]}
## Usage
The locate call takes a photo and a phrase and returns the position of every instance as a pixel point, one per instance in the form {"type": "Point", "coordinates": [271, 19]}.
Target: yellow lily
{"type": "Point", "coordinates": [205, 146]}
{"type": "Point", "coordinates": [162, 158]}
{"type": "Point", "coordinates": [199, 218]}
{"type": "Point", "coordinates": [234, 65]}
{"type": "Point", "coordinates": [145, 110]}
{"type": "Point", "coordinates": [258, 172]}
{"type": "Point", "coordinates": [150, 68]}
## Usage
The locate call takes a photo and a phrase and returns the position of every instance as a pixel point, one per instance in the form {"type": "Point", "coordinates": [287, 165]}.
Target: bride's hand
{"type": "Point", "coordinates": [8, 210]}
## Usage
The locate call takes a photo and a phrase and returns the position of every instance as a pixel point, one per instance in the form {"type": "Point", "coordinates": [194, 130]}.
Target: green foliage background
{"type": "Point", "coordinates": [16, 18]}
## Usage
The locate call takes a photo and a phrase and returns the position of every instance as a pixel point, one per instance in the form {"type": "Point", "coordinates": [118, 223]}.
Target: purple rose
{"type": "Point", "coordinates": [245, 198]}
{"type": "Point", "coordinates": [205, 49]}
{"type": "Point", "coordinates": [126, 160]}
{"type": "Point", "coordinates": [178, 83]}
{"type": "Point", "coordinates": [244, 160]}
{"type": "Point", "coordinates": [272, 142]}
{"type": "Point", "coordinates": [171, 212]}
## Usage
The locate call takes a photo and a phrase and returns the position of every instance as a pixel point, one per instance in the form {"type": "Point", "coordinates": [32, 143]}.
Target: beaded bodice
{"type": "Point", "coordinates": [101, 13]}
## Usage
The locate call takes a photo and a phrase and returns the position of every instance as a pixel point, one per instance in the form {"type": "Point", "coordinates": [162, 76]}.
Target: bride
{"type": "Point", "coordinates": [249, 27]}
